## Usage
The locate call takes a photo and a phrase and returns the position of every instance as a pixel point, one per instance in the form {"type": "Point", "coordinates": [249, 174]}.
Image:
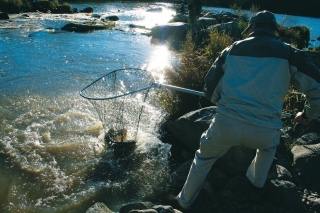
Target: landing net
{"type": "Point", "coordinates": [119, 99]}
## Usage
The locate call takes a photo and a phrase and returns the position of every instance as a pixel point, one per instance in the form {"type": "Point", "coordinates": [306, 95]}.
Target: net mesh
{"type": "Point", "coordinates": [118, 83]}
{"type": "Point", "coordinates": [119, 98]}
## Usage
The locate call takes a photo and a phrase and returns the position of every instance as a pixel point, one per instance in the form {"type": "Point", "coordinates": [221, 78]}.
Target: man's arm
{"type": "Point", "coordinates": [215, 74]}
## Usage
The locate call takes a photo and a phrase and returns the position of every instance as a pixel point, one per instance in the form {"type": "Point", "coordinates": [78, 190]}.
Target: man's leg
{"type": "Point", "coordinates": [195, 180]}
{"type": "Point", "coordinates": [212, 146]}
{"type": "Point", "coordinates": [258, 170]}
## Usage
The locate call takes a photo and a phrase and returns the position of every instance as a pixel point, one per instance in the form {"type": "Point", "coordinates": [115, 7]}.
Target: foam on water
{"type": "Point", "coordinates": [55, 146]}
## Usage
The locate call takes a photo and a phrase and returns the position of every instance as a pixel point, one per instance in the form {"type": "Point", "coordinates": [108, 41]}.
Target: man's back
{"type": "Point", "coordinates": [256, 78]}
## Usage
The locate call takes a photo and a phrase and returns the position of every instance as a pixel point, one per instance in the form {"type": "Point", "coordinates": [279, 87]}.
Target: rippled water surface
{"type": "Point", "coordinates": [52, 149]}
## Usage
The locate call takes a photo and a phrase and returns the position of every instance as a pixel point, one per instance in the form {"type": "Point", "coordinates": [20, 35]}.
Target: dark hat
{"type": "Point", "coordinates": [261, 17]}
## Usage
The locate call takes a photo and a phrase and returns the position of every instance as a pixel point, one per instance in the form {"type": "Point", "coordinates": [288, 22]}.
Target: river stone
{"type": "Point", "coordinates": [112, 18]}
{"type": "Point", "coordinates": [99, 208]}
{"type": "Point", "coordinates": [138, 206]}
{"type": "Point", "coordinates": [86, 10]}
{"type": "Point", "coordinates": [169, 33]}
{"type": "Point", "coordinates": [280, 173]}
{"type": "Point", "coordinates": [163, 209]}
{"type": "Point", "coordinates": [217, 178]}
{"type": "Point", "coordinates": [284, 193]}
{"type": "Point", "coordinates": [308, 139]}
{"type": "Point", "coordinates": [82, 28]}
{"type": "Point", "coordinates": [306, 159]}
{"type": "Point", "coordinates": [179, 176]}
{"type": "Point", "coordinates": [236, 161]}
{"type": "Point", "coordinates": [205, 22]}
{"type": "Point", "coordinates": [189, 127]}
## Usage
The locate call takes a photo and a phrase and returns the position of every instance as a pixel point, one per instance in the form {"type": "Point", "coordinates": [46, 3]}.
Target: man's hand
{"type": "Point", "coordinates": [301, 119]}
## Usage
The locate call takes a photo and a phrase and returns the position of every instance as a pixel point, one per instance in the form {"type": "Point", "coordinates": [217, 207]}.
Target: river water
{"type": "Point", "coordinates": [53, 155]}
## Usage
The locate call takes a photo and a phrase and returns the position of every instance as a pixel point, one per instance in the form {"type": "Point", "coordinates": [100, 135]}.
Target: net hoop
{"type": "Point", "coordinates": [147, 75]}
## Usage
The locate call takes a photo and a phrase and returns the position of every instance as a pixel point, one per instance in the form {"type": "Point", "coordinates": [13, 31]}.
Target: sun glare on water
{"type": "Point", "coordinates": [159, 61]}
{"type": "Point", "coordinates": [155, 17]}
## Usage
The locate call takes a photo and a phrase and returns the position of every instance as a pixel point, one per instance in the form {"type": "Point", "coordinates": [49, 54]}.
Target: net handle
{"type": "Point", "coordinates": [194, 92]}
{"type": "Point", "coordinates": [180, 89]}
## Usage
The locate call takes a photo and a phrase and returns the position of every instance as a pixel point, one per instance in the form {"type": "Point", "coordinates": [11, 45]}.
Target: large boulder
{"type": "Point", "coordinates": [169, 33]}
{"type": "Point", "coordinates": [188, 129]}
{"type": "Point", "coordinates": [222, 17]}
{"type": "Point", "coordinates": [141, 205]}
{"type": "Point", "coordinates": [229, 28]}
{"type": "Point", "coordinates": [306, 159]}
{"type": "Point", "coordinates": [285, 194]}
{"type": "Point", "coordinates": [205, 22]}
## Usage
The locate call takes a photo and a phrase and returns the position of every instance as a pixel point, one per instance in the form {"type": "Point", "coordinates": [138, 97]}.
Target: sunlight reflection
{"type": "Point", "coordinates": [158, 18]}
{"type": "Point", "coordinates": [159, 61]}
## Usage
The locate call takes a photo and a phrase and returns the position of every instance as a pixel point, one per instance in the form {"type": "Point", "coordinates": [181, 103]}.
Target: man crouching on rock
{"type": "Point", "coordinates": [248, 82]}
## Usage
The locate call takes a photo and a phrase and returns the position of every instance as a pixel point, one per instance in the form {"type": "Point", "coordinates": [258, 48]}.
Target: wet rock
{"type": "Point", "coordinates": [137, 26]}
{"type": "Point", "coordinates": [99, 208]}
{"type": "Point", "coordinates": [285, 194]}
{"type": "Point", "coordinates": [112, 18]}
{"type": "Point", "coordinates": [87, 10]}
{"type": "Point", "coordinates": [229, 28]}
{"type": "Point", "coordinates": [169, 33]}
{"type": "Point", "coordinates": [306, 159]}
{"type": "Point", "coordinates": [280, 173]}
{"type": "Point", "coordinates": [25, 15]}
{"type": "Point", "coordinates": [188, 128]}
{"type": "Point", "coordinates": [205, 22]}
{"type": "Point", "coordinates": [217, 178]}
{"type": "Point", "coordinates": [308, 139]}
{"type": "Point", "coordinates": [236, 161]}
{"type": "Point", "coordinates": [178, 177]}
{"type": "Point", "coordinates": [83, 28]}
{"type": "Point", "coordinates": [95, 15]}
{"type": "Point", "coordinates": [222, 17]}
{"type": "Point", "coordinates": [136, 206]}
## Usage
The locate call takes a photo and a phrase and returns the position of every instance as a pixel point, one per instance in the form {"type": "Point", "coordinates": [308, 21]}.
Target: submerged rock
{"type": "Point", "coordinates": [84, 27]}
{"type": "Point", "coordinates": [112, 18]}
{"type": "Point", "coordinates": [86, 10]}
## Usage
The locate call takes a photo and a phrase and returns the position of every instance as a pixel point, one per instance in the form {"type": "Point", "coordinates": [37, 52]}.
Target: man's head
{"type": "Point", "coordinates": [262, 19]}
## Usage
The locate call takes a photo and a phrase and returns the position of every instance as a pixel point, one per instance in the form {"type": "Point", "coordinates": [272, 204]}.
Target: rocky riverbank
{"type": "Point", "coordinates": [293, 181]}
